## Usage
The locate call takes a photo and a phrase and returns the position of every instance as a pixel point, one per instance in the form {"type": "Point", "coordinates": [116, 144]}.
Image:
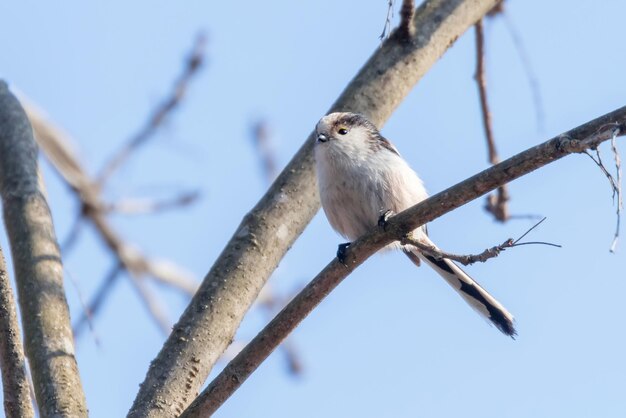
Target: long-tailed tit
{"type": "Point", "coordinates": [361, 176]}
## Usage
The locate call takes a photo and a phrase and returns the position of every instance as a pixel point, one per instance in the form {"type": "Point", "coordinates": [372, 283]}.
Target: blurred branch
{"type": "Point", "coordinates": [136, 206]}
{"type": "Point", "coordinates": [618, 192]}
{"type": "Point", "coordinates": [262, 142]}
{"type": "Point", "coordinates": [56, 147]}
{"type": "Point", "coordinates": [466, 260]}
{"type": "Point", "coordinates": [159, 115]}
{"type": "Point", "coordinates": [232, 284]}
{"type": "Point", "coordinates": [38, 268]}
{"type": "Point", "coordinates": [388, 18]}
{"type": "Point", "coordinates": [56, 144]}
{"type": "Point", "coordinates": [407, 11]}
{"type": "Point", "coordinates": [16, 394]}
{"type": "Point", "coordinates": [496, 204]}
{"type": "Point", "coordinates": [587, 136]}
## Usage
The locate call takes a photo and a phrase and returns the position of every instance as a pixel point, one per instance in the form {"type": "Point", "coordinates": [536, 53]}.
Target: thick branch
{"type": "Point", "coordinates": [38, 269]}
{"type": "Point", "coordinates": [208, 324]}
{"type": "Point", "coordinates": [239, 369]}
{"type": "Point", "coordinates": [17, 402]}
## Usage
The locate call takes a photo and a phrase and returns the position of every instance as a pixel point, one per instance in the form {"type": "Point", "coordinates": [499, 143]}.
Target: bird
{"type": "Point", "coordinates": [362, 179]}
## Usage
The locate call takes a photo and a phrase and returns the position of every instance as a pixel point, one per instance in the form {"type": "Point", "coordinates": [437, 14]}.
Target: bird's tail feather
{"type": "Point", "coordinates": [477, 297]}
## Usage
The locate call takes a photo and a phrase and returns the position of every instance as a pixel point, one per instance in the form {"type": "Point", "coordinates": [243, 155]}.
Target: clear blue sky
{"type": "Point", "coordinates": [392, 340]}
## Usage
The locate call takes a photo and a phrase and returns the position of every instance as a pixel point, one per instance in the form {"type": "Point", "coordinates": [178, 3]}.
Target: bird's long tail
{"type": "Point", "coordinates": [477, 297]}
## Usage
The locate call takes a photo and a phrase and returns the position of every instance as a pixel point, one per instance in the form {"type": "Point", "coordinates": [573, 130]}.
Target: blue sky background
{"type": "Point", "coordinates": [391, 340]}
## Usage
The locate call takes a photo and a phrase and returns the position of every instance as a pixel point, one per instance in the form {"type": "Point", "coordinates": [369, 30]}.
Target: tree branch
{"type": "Point", "coordinates": [496, 203]}
{"type": "Point", "coordinates": [467, 259]}
{"type": "Point", "coordinates": [407, 11]}
{"type": "Point", "coordinates": [38, 269]}
{"type": "Point", "coordinates": [239, 369]}
{"type": "Point", "coordinates": [17, 401]}
{"type": "Point", "coordinates": [57, 148]}
{"type": "Point", "coordinates": [208, 324]}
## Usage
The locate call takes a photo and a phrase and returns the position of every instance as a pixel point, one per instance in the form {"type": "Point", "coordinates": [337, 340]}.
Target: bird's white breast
{"type": "Point", "coordinates": [358, 184]}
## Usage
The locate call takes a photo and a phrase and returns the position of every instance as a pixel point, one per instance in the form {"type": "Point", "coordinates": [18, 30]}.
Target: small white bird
{"type": "Point", "coordinates": [362, 176]}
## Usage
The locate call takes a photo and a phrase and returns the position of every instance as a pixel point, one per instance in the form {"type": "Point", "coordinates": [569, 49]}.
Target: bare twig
{"type": "Point", "coordinates": [160, 114]}
{"type": "Point", "coordinates": [466, 260]}
{"type": "Point", "coordinates": [16, 395]}
{"type": "Point", "coordinates": [135, 206]}
{"type": "Point", "coordinates": [239, 369]}
{"type": "Point", "coordinates": [616, 183]}
{"type": "Point", "coordinates": [618, 188]}
{"type": "Point", "coordinates": [388, 18]}
{"type": "Point", "coordinates": [496, 204]}
{"type": "Point", "coordinates": [56, 145]}
{"type": "Point", "coordinates": [604, 170]}
{"type": "Point", "coordinates": [232, 284]}
{"type": "Point", "coordinates": [407, 11]}
{"type": "Point", "coordinates": [38, 269]}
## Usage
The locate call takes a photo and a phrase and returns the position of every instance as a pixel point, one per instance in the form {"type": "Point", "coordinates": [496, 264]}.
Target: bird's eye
{"type": "Point", "coordinates": [342, 131]}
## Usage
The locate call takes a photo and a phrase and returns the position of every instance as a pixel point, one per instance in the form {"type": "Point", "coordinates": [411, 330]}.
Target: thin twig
{"type": "Point", "coordinates": [466, 260]}
{"type": "Point", "coordinates": [496, 204]}
{"type": "Point", "coordinates": [616, 183]}
{"type": "Point", "coordinates": [529, 231]}
{"type": "Point", "coordinates": [618, 188]}
{"type": "Point", "coordinates": [136, 206]}
{"type": "Point", "coordinates": [16, 395]}
{"type": "Point", "coordinates": [160, 114]}
{"type": "Point", "coordinates": [473, 258]}
{"type": "Point", "coordinates": [387, 25]}
{"type": "Point", "coordinates": [243, 365]}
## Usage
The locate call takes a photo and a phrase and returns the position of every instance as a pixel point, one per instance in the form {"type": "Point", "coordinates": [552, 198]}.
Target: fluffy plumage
{"type": "Point", "coordinates": [361, 175]}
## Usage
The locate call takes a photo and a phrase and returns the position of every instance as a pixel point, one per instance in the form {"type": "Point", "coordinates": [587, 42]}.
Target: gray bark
{"type": "Point", "coordinates": [17, 402]}
{"type": "Point", "coordinates": [38, 269]}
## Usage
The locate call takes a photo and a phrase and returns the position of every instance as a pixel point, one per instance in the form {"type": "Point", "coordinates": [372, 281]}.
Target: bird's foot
{"type": "Point", "coordinates": [341, 252]}
{"type": "Point", "coordinates": [382, 221]}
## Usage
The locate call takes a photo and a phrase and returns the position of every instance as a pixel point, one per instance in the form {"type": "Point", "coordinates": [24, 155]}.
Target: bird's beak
{"type": "Point", "coordinates": [322, 138]}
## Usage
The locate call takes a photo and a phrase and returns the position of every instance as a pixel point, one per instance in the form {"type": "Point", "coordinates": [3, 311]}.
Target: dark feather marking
{"type": "Point", "coordinates": [384, 142]}
{"type": "Point", "coordinates": [495, 315]}
{"type": "Point", "coordinates": [355, 119]}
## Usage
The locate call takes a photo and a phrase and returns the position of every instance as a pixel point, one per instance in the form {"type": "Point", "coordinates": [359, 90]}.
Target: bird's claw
{"type": "Point", "coordinates": [341, 252]}
{"type": "Point", "coordinates": [382, 221]}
